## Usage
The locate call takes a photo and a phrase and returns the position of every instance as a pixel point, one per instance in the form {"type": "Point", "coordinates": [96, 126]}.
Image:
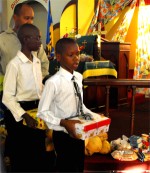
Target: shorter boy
{"type": "Point", "coordinates": [60, 102]}
{"type": "Point", "coordinates": [22, 91]}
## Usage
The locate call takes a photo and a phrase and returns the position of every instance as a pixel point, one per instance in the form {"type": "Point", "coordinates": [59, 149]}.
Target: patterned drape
{"type": "Point", "coordinates": [122, 30]}
{"type": "Point", "coordinates": [142, 60]}
{"type": "Point", "coordinates": [106, 10]}
{"type": "Point", "coordinates": [110, 9]}
{"type": "Point", "coordinates": [93, 24]}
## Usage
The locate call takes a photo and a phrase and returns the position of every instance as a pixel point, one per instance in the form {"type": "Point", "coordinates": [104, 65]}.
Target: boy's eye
{"type": "Point", "coordinates": [74, 54]}
{"type": "Point", "coordinates": [70, 55]}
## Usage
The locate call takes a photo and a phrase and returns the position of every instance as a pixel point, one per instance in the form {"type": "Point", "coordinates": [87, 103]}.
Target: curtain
{"type": "Point", "coordinates": [105, 11]}
{"type": "Point", "coordinates": [110, 9]}
{"type": "Point", "coordinates": [122, 30]}
{"type": "Point", "coordinates": [142, 60]}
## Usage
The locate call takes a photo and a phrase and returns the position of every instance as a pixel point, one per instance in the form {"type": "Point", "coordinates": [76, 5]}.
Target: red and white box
{"type": "Point", "coordinates": [89, 128]}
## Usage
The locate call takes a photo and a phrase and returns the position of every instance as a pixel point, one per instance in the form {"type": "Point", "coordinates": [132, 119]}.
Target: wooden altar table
{"type": "Point", "coordinates": [94, 96]}
{"type": "Point", "coordinates": [99, 68]}
{"type": "Point", "coordinates": [131, 83]}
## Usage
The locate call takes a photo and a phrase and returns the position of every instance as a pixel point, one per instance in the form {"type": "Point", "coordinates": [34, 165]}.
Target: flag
{"type": "Point", "coordinates": [49, 33]}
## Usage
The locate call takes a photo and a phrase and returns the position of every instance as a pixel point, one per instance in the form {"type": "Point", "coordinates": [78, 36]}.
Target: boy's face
{"type": "Point", "coordinates": [26, 16]}
{"type": "Point", "coordinates": [33, 40]}
{"type": "Point", "coordinates": [70, 58]}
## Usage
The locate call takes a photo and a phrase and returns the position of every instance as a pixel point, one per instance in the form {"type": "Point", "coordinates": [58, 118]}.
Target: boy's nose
{"type": "Point", "coordinates": [76, 57]}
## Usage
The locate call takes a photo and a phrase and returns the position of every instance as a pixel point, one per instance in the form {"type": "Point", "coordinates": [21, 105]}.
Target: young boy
{"type": "Point", "coordinates": [59, 103]}
{"type": "Point", "coordinates": [22, 91]}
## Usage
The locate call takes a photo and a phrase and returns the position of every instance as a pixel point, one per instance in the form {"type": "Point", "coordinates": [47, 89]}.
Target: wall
{"type": "Point", "coordinates": [3, 15]}
{"type": "Point", "coordinates": [68, 17]}
{"type": "Point", "coordinates": [85, 15]}
{"type": "Point", "coordinates": [0, 15]}
{"type": "Point", "coordinates": [68, 20]}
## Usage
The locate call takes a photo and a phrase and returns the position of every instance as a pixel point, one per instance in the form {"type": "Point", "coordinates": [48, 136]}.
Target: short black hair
{"type": "Point", "coordinates": [61, 44]}
{"type": "Point", "coordinates": [24, 31]}
{"type": "Point", "coordinates": [18, 7]}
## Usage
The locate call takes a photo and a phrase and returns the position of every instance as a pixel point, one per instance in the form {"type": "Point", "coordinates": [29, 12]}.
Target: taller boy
{"type": "Point", "coordinates": [22, 90]}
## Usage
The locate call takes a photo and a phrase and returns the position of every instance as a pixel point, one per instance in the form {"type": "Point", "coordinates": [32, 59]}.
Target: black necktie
{"type": "Point", "coordinates": [80, 104]}
{"type": "Point", "coordinates": [78, 95]}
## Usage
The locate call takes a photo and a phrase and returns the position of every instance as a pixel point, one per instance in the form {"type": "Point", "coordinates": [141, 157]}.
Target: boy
{"type": "Point", "coordinates": [22, 91]}
{"type": "Point", "coordinates": [59, 103]}
{"type": "Point", "coordinates": [10, 44]}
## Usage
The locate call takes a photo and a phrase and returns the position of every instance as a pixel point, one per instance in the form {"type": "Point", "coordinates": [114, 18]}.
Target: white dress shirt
{"type": "Point", "coordinates": [22, 82]}
{"type": "Point", "coordinates": [58, 100]}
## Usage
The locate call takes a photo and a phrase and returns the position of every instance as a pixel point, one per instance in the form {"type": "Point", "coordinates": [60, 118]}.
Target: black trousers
{"type": "Point", "coordinates": [26, 146]}
{"type": "Point", "coordinates": [70, 152]}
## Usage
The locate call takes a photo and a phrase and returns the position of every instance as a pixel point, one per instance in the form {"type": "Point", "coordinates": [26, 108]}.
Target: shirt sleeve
{"type": "Point", "coordinates": [44, 61]}
{"type": "Point", "coordinates": [86, 110]}
{"type": "Point", "coordinates": [9, 92]}
{"type": "Point", "coordinates": [46, 100]}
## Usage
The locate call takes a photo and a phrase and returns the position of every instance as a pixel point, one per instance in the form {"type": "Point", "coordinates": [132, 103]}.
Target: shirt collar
{"type": "Point", "coordinates": [66, 74]}
{"type": "Point", "coordinates": [10, 31]}
{"type": "Point", "coordinates": [24, 59]}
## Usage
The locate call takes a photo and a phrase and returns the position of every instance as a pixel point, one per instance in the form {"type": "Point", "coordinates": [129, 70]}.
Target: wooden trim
{"type": "Point", "coordinates": [142, 83]}
{"type": "Point", "coordinates": [95, 4]}
{"type": "Point", "coordinates": [57, 25]}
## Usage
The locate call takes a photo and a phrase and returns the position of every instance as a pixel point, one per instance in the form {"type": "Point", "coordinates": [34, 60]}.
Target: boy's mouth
{"type": "Point", "coordinates": [76, 64]}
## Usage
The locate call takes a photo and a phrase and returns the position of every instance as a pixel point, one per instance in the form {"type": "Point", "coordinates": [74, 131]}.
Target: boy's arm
{"type": "Point", "coordinates": [46, 100]}
{"type": "Point", "coordinates": [86, 110]}
{"type": "Point", "coordinates": [9, 92]}
{"type": "Point", "coordinates": [31, 122]}
{"type": "Point", "coordinates": [69, 125]}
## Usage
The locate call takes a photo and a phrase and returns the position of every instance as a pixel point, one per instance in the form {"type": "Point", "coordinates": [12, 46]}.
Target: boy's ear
{"type": "Point", "coordinates": [58, 57]}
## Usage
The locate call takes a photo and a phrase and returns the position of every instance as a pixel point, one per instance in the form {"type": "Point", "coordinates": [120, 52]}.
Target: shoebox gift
{"type": "Point", "coordinates": [88, 128]}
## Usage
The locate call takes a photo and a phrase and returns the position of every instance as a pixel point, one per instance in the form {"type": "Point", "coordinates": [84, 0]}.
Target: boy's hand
{"type": "Point", "coordinates": [31, 122]}
{"type": "Point", "coordinates": [69, 125]}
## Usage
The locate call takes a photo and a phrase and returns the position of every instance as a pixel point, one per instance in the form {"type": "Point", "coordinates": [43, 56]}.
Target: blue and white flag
{"type": "Point", "coordinates": [49, 33]}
